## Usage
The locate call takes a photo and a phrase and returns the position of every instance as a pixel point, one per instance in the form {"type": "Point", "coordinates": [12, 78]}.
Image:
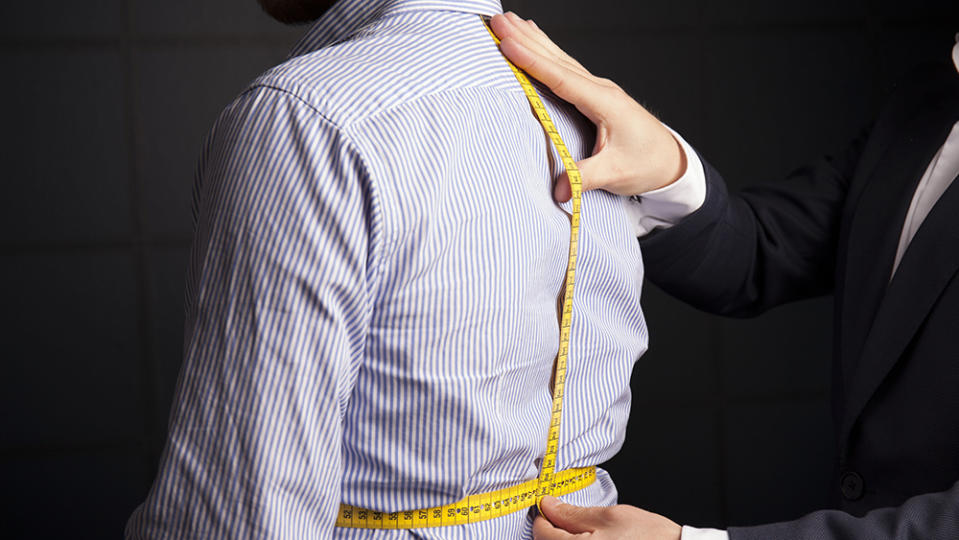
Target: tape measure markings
{"type": "Point", "coordinates": [484, 506]}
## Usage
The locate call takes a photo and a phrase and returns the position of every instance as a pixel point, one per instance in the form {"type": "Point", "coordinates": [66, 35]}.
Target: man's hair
{"type": "Point", "coordinates": [296, 11]}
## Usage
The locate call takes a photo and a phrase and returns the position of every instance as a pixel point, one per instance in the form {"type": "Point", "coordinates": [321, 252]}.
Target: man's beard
{"type": "Point", "coordinates": [296, 11]}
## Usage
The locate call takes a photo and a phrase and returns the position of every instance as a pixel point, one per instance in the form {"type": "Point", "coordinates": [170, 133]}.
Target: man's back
{"type": "Point", "coordinates": [372, 299]}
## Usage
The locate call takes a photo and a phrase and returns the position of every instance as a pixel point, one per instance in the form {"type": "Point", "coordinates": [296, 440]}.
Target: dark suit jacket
{"type": "Point", "coordinates": [834, 227]}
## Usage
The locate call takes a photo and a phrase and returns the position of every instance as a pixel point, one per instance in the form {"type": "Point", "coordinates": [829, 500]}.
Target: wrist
{"type": "Point", "coordinates": [668, 160]}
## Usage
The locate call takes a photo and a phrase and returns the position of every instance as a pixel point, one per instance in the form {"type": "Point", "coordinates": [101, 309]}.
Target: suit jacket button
{"type": "Point", "coordinates": [851, 486]}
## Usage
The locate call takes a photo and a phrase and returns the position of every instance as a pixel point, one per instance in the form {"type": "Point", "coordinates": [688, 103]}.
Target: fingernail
{"type": "Point", "coordinates": [514, 16]}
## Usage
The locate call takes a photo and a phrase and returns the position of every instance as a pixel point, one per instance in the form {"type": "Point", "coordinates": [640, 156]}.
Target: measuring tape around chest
{"type": "Point", "coordinates": [485, 506]}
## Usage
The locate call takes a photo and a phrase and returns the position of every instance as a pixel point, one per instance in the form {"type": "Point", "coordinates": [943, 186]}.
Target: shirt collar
{"type": "Point", "coordinates": [346, 17]}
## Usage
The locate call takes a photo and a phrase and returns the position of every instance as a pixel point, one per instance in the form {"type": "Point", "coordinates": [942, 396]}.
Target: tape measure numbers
{"type": "Point", "coordinates": [546, 480]}
{"type": "Point", "coordinates": [485, 506]}
{"type": "Point", "coordinates": [472, 509]}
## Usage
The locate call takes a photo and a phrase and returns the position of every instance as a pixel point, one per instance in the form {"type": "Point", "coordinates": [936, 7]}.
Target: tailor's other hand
{"type": "Point", "coordinates": [620, 522]}
{"type": "Point", "coordinates": [634, 152]}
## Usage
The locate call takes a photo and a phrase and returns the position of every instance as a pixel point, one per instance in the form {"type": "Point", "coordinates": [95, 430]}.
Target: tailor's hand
{"type": "Point", "coordinates": [634, 151]}
{"type": "Point", "coordinates": [613, 523]}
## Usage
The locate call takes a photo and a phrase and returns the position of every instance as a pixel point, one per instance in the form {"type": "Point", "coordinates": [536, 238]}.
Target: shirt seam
{"type": "Point", "coordinates": [283, 84]}
{"type": "Point", "coordinates": [297, 91]}
{"type": "Point", "coordinates": [377, 256]}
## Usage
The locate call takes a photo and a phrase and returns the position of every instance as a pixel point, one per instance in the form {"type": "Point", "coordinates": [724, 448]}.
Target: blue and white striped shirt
{"type": "Point", "coordinates": [372, 296]}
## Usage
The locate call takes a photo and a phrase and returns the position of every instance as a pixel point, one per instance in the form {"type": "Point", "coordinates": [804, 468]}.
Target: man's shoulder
{"type": "Point", "coordinates": [388, 67]}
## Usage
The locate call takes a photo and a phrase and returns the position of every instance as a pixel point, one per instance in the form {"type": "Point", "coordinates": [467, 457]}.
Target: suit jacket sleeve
{"type": "Point", "coordinates": [742, 254]}
{"type": "Point", "coordinates": [932, 516]}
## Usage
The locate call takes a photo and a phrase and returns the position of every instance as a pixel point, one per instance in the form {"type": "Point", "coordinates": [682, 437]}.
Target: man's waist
{"type": "Point", "coordinates": [481, 506]}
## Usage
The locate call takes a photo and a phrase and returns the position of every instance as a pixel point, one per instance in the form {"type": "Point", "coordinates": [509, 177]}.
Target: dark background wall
{"type": "Point", "coordinates": [105, 103]}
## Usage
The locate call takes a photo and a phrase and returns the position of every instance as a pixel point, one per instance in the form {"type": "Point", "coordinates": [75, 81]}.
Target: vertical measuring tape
{"type": "Point", "coordinates": [494, 504]}
{"type": "Point", "coordinates": [546, 474]}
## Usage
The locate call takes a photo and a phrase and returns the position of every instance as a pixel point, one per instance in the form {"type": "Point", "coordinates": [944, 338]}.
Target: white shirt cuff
{"type": "Point", "coordinates": [692, 533]}
{"type": "Point", "coordinates": [666, 206]}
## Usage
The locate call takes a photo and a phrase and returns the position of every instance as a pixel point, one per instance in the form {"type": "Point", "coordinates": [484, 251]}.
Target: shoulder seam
{"type": "Point", "coordinates": [378, 235]}
{"type": "Point", "coordinates": [280, 87]}
{"type": "Point", "coordinates": [253, 87]}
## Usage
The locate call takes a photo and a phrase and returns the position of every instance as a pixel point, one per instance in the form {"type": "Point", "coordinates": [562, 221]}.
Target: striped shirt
{"type": "Point", "coordinates": [372, 308]}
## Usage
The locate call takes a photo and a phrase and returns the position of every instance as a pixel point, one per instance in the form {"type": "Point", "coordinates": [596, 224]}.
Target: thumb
{"type": "Point", "coordinates": [574, 519]}
{"type": "Point", "coordinates": [589, 170]}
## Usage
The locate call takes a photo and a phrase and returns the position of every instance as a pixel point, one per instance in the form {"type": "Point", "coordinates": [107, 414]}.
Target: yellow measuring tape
{"type": "Point", "coordinates": [472, 509]}
{"type": "Point", "coordinates": [490, 505]}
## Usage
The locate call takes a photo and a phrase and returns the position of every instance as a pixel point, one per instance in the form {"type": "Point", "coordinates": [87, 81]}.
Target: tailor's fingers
{"type": "Point", "coordinates": [562, 192]}
{"type": "Point", "coordinates": [587, 95]}
{"type": "Point", "coordinates": [537, 33]}
{"type": "Point", "coordinates": [513, 27]}
{"type": "Point", "coordinates": [571, 518]}
{"type": "Point", "coordinates": [593, 172]}
{"type": "Point", "coordinates": [544, 530]}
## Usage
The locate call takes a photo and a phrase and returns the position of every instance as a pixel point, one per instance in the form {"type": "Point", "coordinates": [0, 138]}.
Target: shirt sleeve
{"type": "Point", "coordinates": [666, 206]}
{"type": "Point", "coordinates": [692, 533]}
{"type": "Point", "coordinates": [278, 306]}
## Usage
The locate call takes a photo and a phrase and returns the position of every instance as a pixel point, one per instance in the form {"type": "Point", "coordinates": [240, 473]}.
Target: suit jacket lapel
{"type": "Point", "coordinates": [875, 228]}
{"type": "Point", "coordinates": [929, 264]}
{"type": "Point", "coordinates": [880, 318]}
